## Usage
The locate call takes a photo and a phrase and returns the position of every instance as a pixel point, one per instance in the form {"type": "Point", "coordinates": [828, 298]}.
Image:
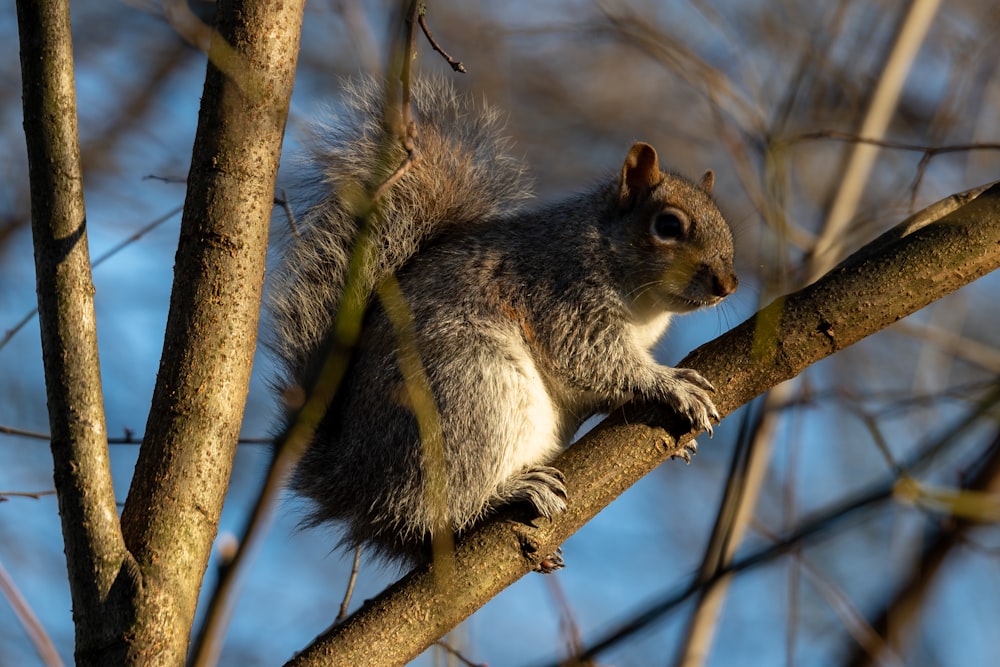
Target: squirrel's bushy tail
{"type": "Point", "coordinates": [464, 173]}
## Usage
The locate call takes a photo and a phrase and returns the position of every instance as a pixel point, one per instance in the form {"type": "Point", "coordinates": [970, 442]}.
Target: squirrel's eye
{"type": "Point", "coordinates": [669, 225]}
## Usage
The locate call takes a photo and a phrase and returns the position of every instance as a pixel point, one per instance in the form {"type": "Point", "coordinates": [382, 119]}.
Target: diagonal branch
{"type": "Point", "coordinates": [865, 294]}
{"type": "Point", "coordinates": [95, 550]}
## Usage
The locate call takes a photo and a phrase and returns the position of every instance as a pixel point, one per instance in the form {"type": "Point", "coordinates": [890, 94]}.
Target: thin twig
{"type": "Point", "coordinates": [422, 20]}
{"type": "Point", "coordinates": [22, 610]}
{"type": "Point", "coordinates": [912, 32]}
{"type": "Point", "coordinates": [350, 585]}
{"type": "Point", "coordinates": [409, 53]}
{"type": "Point", "coordinates": [10, 333]}
{"type": "Point", "coordinates": [929, 152]}
{"type": "Point", "coordinates": [289, 214]}
{"type": "Point", "coordinates": [164, 179]}
{"type": "Point", "coordinates": [130, 437]}
{"type": "Point", "coordinates": [568, 626]}
{"type": "Point", "coordinates": [458, 654]}
{"type": "Point", "coordinates": [10, 430]}
{"type": "Point", "coordinates": [406, 129]}
{"type": "Point", "coordinates": [836, 135]}
{"type": "Point", "coordinates": [404, 167]}
{"type": "Point", "coordinates": [35, 495]}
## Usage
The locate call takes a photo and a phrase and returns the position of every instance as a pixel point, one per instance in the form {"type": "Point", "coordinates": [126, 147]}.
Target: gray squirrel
{"type": "Point", "coordinates": [524, 322]}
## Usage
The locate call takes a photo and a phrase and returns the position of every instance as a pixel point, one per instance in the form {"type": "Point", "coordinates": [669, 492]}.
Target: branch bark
{"type": "Point", "coordinates": [95, 549]}
{"type": "Point", "coordinates": [906, 269]}
{"type": "Point", "coordinates": [182, 473]}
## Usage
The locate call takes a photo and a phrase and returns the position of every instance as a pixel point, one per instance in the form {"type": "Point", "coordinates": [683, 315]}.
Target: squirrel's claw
{"type": "Point", "coordinates": [695, 378]}
{"type": "Point", "coordinates": [554, 561]}
{"type": "Point", "coordinates": [686, 452]}
{"type": "Point", "coordinates": [547, 564]}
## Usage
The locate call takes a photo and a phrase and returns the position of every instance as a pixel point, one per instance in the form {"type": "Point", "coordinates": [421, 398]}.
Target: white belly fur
{"type": "Point", "coordinates": [534, 434]}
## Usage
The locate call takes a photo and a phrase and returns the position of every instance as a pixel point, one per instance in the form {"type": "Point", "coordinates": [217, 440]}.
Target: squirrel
{"type": "Point", "coordinates": [525, 322]}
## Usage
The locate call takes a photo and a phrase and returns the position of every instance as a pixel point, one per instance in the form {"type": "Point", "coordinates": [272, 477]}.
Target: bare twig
{"type": "Point", "coordinates": [22, 610]}
{"type": "Point", "coordinates": [422, 19]}
{"type": "Point", "coordinates": [406, 128]}
{"type": "Point", "coordinates": [10, 430]}
{"type": "Point", "coordinates": [743, 483]}
{"type": "Point", "coordinates": [401, 170]}
{"type": "Point", "coordinates": [289, 214]}
{"type": "Point", "coordinates": [836, 135]}
{"type": "Point", "coordinates": [831, 242]}
{"type": "Point", "coordinates": [34, 495]}
{"type": "Point", "coordinates": [451, 650]}
{"type": "Point", "coordinates": [10, 333]}
{"type": "Point", "coordinates": [567, 622]}
{"type": "Point", "coordinates": [349, 593]}
{"type": "Point", "coordinates": [929, 152]}
{"type": "Point", "coordinates": [164, 179]}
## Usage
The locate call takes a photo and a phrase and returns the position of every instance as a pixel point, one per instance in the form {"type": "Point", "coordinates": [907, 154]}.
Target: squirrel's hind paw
{"type": "Point", "coordinates": [541, 487]}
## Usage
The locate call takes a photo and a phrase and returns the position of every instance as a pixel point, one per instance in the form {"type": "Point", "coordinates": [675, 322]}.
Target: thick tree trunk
{"type": "Point", "coordinates": [186, 457]}
{"type": "Point", "coordinates": [136, 606]}
{"type": "Point", "coordinates": [100, 569]}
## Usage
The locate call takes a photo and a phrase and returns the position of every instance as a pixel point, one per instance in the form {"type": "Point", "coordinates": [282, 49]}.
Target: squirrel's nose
{"type": "Point", "coordinates": [724, 284]}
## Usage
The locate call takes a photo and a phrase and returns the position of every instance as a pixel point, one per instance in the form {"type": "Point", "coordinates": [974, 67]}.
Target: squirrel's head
{"type": "Point", "coordinates": [673, 239]}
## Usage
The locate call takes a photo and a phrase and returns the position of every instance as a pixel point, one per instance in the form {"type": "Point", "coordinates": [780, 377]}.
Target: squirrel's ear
{"type": "Point", "coordinates": [707, 181]}
{"type": "Point", "coordinates": [640, 172]}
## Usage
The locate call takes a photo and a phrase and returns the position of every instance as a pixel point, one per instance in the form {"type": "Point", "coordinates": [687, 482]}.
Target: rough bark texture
{"type": "Point", "coordinates": [908, 269]}
{"type": "Point", "coordinates": [95, 550]}
{"type": "Point", "coordinates": [173, 507]}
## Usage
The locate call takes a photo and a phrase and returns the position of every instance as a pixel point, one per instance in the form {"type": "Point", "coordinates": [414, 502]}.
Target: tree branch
{"type": "Point", "coordinates": [95, 549]}
{"type": "Point", "coordinates": [896, 620]}
{"type": "Point", "coordinates": [865, 294]}
{"type": "Point", "coordinates": [184, 464]}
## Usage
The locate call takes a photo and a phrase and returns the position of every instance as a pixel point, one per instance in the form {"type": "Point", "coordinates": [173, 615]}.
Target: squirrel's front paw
{"type": "Point", "coordinates": [542, 487]}
{"type": "Point", "coordinates": [686, 391]}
